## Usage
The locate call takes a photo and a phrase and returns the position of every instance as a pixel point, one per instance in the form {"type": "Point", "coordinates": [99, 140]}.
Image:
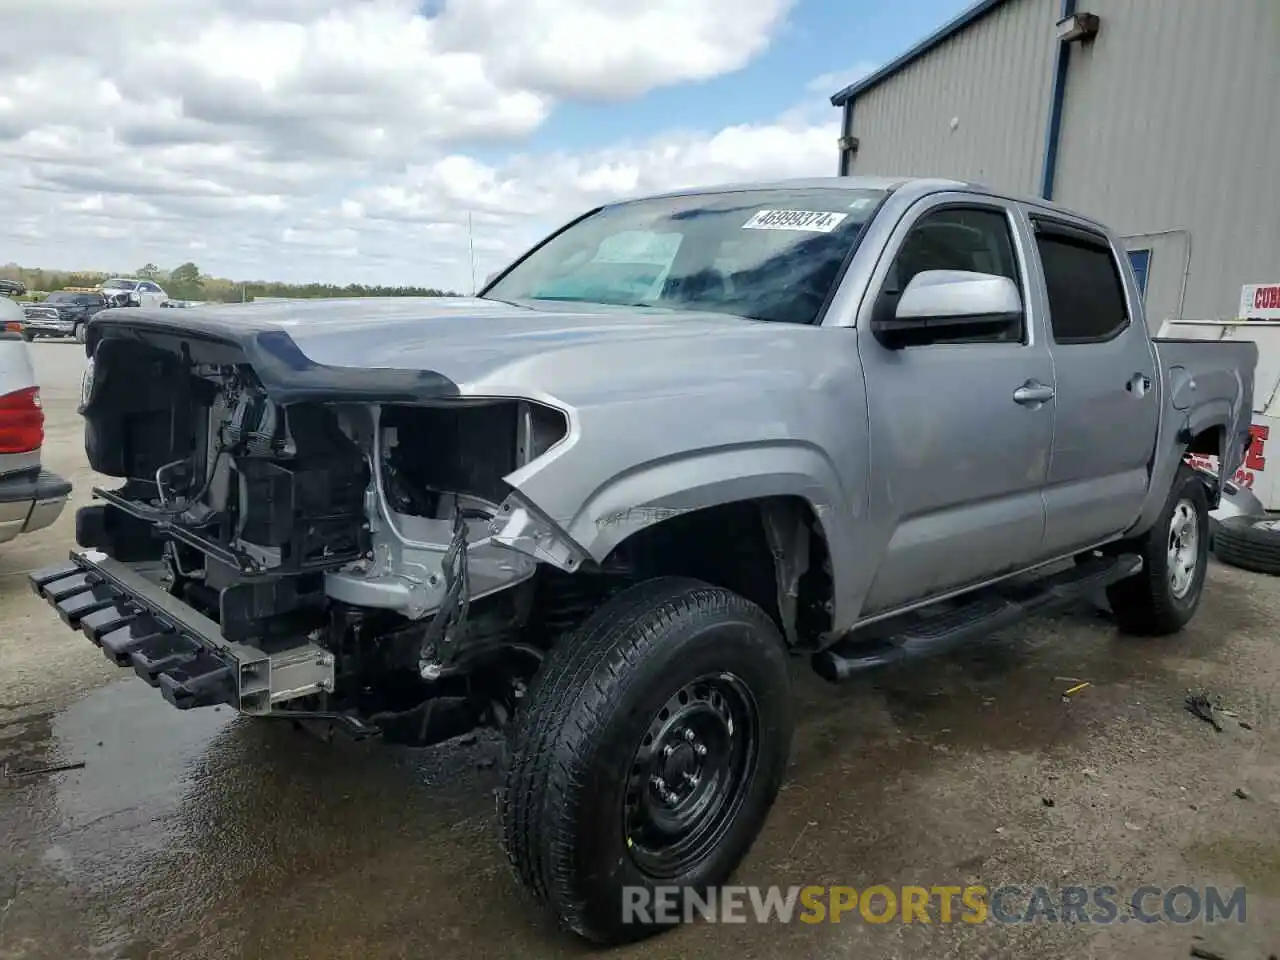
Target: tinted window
{"type": "Point", "coordinates": [1086, 296]}
{"type": "Point", "coordinates": [757, 254]}
{"type": "Point", "coordinates": [973, 239]}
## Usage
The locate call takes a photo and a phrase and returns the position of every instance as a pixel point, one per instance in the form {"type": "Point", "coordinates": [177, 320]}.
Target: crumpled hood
{"type": "Point", "coordinates": [489, 347]}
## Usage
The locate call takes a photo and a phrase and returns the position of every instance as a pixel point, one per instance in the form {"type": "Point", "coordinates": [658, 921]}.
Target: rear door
{"type": "Point", "coordinates": [958, 450]}
{"type": "Point", "coordinates": [1108, 397]}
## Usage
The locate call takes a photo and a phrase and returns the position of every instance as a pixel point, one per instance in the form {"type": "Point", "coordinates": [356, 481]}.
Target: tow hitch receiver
{"type": "Point", "coordinates": [139, 624]}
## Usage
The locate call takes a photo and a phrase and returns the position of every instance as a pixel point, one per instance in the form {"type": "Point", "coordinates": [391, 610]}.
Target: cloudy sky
{"type": "Point", "coordinates": [349, 140]}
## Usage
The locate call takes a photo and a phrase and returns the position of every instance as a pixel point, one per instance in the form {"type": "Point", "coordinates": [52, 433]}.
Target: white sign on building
{"type": "Point", "coordinates": [1260, 301]}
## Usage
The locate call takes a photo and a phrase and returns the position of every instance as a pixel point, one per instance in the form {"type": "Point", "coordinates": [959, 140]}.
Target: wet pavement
{"type": "Point", "coordinates": [199, 834]}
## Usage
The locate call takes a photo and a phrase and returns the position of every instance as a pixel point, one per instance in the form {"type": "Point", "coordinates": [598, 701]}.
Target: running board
{"type": "Point", "coordinates": [930, 631]}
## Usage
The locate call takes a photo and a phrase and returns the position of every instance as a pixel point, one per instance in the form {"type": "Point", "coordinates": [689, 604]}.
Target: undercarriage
{"type": "Point", "coordinates": [359, 562]}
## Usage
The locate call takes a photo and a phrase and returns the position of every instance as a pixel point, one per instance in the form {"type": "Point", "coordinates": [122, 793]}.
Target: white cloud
{"type": "Point", "coordinates": [342, 139]}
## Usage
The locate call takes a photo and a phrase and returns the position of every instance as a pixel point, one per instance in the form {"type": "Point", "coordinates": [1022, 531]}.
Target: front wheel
{"type": "Point", "coordinates": [1163, 596]}
{"type": "Point", "coordinates": [652, 749]}
{"type": "Point", "coordinates": [79, 332]}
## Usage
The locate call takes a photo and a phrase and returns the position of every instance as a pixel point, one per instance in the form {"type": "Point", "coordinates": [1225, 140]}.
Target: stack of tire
{"type": "Point", "coordinates": [1249, 542]}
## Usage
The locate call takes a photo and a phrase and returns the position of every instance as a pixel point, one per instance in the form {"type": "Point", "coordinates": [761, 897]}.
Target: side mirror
{"type": "Point", "coordinates": [949, 303]}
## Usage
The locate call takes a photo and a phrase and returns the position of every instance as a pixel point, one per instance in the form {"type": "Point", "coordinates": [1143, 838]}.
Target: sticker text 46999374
{"type": "Point", "coordinates": [814, 221]}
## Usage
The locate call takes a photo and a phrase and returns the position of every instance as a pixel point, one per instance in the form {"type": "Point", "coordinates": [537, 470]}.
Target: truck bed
{"type": "Point", "coordinates": [1208, 378]}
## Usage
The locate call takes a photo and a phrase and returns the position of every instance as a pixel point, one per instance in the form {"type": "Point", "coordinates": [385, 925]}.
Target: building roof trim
{"type": "Point", "coordinates": [943, 33]}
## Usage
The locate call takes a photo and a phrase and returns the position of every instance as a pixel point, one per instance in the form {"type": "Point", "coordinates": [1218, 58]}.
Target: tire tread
{"type": "Point", "coordinates": [569, 703]}
{"type": "Point", "coordinates": [1242, 545]}
{"type": "Point", "coordinates": [1142, 603]}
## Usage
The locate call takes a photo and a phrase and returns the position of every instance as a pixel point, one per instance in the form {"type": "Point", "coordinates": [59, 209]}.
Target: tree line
{"type": "Point", "coordinates": [187, 282]}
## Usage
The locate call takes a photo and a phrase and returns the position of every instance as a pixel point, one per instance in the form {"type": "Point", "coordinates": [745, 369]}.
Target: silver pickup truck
{"type": "Point", "coordinates": [599, 506]}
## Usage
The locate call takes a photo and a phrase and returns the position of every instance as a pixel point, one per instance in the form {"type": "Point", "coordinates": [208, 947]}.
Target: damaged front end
{"type": "Point", "coordinates": [350, 553]}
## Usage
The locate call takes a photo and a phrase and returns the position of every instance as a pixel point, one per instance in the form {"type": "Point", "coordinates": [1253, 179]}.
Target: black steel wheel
{"type": "Point", "coordinates": [651, 749]}
{"type": "Point", "coordinates": [688, 773]}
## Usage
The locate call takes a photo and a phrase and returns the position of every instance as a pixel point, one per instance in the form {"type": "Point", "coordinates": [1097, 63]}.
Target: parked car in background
{"type": "Point", "coordinates": [62, 314]}
{"type": "Point", "coordinates": [12, 288]}
{"type": "Point", "coordinates": [30, 498]}
{"type": "Point", "coordinates": [150, 293]}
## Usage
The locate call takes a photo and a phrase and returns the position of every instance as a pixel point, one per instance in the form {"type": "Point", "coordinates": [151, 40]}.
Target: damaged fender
{"type": "Point", "coordinates": [655, 492]}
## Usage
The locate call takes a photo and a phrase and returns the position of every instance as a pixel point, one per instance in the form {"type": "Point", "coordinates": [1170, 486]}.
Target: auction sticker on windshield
{"type": "Point", "coordinates": [814, 221]}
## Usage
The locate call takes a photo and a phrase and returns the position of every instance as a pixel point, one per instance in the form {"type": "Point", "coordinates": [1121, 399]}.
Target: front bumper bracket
{"type": "Point", "coordinates": [139, 624]}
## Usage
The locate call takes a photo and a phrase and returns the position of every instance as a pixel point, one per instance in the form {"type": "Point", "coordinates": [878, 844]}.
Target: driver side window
{"type": "Point", "coordinates": [976, 239]}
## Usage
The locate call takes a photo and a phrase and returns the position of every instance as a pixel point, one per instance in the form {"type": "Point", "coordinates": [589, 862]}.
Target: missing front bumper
{"type": "Point", "coordinates": [138, 624]}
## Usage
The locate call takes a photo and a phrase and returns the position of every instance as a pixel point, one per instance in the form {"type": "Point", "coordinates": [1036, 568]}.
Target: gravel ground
{"type": "Point", "coordinates": [201, 835]}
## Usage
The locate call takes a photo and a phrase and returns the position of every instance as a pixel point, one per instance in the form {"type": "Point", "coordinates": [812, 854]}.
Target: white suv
{"type": "Point", "coordinates": [150, 293]}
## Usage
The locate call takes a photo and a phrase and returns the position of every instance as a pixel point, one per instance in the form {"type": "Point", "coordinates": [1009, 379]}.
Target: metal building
{"type": "Point", "coordinates": [1160, 118]}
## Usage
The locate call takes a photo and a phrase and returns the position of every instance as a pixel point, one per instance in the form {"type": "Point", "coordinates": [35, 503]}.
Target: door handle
{"type": "Point", "coordinates": [1033, 392]}
{"type": "Point", "coordinates": [1140, 383]}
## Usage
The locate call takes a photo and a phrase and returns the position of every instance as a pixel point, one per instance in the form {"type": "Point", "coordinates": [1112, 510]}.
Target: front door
{"type": "Point", "coordinates": [959, 451]}
{"type": "Point", "coordinates": [1107, 392]}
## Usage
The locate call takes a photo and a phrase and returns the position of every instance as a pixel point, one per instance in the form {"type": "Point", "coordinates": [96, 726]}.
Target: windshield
{"type": "Point", "coordinates": [71, 298]}
{"type": "Point", "coordinates": [120, 285]}
{"type": "Point", "coordinates": [758, 254]}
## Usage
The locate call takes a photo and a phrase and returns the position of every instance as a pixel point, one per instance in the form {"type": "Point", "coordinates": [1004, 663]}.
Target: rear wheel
{"type": "Point", "coordinates": [79, 332]}
{"type": "Point", "coordinates": [28, 336]}
{"type": "Point", "coordinates": [1164, 595]}
{"type": "Point", "coordinates": [653, 746]}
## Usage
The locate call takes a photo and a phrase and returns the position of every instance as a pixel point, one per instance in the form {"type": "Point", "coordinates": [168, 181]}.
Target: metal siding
{"type": "Point", "coordinates": [994, 76]}
{"type": "Point", "coordinates": [1172, 129]}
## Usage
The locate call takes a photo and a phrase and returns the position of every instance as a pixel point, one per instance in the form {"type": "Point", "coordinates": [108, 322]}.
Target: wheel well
{"type": "Point", "coordinates": [1207, 442]}
{"type": "Point", "coordinates": [1210, 442]}
{"type": "Point", "coordinates": [771, 551]}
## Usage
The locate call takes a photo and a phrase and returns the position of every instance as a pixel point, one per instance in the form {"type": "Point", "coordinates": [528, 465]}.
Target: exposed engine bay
{"type": "Point", "coordinates": [359, 562]}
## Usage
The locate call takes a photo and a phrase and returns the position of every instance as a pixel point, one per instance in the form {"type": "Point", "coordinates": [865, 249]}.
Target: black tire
{"type": "Point", "coordinates": [27, 336]}
{"type": "Point", "coordinates": [79, 332]}
{"type": "Point", "coordinates": [576, 773]}
{"type": "Point", "coordinates": [1153, 602]}
{"type": "Point", "coordinates": [1243, 542]}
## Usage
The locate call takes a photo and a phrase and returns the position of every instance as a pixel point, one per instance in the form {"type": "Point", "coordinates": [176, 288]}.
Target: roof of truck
{"type": "Point", "coordinates": [921, 186]}
{"type": "Point", "coordinates": [814, 183]}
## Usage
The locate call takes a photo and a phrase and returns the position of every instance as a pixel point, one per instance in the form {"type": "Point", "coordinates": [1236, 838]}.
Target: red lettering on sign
{"type": "Point", "coordinates": [1266, 298]}
{"type": "Point", "coordinates": [1253, 455]}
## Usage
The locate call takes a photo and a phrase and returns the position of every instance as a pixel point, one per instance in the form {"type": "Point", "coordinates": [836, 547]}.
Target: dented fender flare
{"type": "Point", "coordinates": [651, 493]}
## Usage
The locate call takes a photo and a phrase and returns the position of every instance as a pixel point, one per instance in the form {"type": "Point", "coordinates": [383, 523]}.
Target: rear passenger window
{"type": "Point", "coordinates": [1086, 295]}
